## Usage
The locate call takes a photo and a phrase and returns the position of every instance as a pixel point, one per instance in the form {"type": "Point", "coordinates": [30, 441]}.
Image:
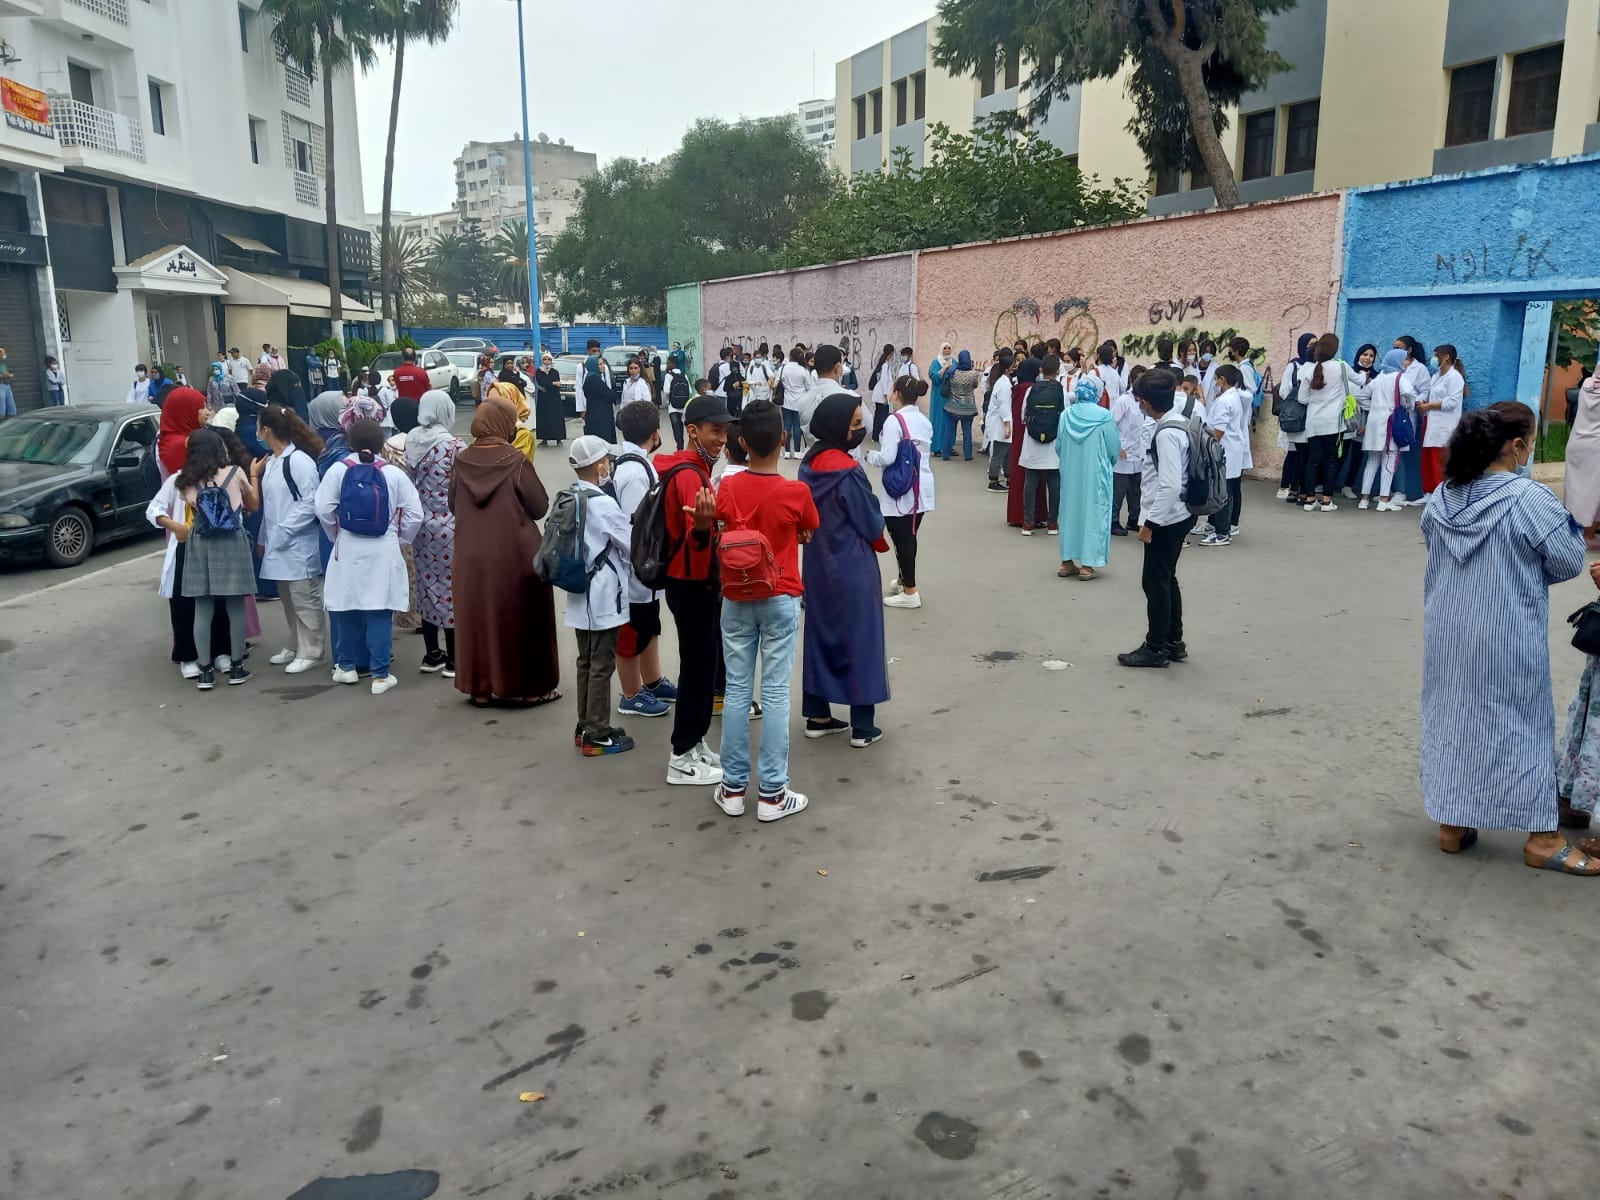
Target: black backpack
{"type": "Point", "coordinates": [733, 381]}
{"type": "Point", "coordinates": [653, 548]}
{"type": "Point", "coordinates": [1046, 402]}
{"type": "Point", "coordinates": [678, 391]}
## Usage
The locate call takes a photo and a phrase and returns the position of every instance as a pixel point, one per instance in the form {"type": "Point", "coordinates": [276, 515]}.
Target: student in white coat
{"type": "Point", "coordinates": [291, 552]}
{"type": "Point", "coordinates": [636, 386]}
{"type": "Point", "coordinates": [1446, 390]}
{"type": "Point", "coordinates": [902, 515]}
{"type": "Point", "coordinates": [797, 387]}
{"type": "Point", "coordinates": [1323, 388]}
{"type": "Point", "coordinates": [1378, 400]}
{"type": "Point", "coordinates": [997, 418]}
{"type": "Point", "coordinates": [366, 582]}
{"type": "Point", "coordinates": [1228, 419]}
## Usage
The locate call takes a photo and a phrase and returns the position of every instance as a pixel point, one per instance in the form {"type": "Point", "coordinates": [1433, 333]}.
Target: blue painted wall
{"type": "Point", "coordinates": [1457, 258]}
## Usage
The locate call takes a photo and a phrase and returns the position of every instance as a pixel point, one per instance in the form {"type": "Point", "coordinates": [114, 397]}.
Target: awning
{"type": "Point", "coordinates": [249, 244]}
{"type": "Point", "coordinates": [302, 297]}
{"type": "Point", "coordinates": [173, 270]}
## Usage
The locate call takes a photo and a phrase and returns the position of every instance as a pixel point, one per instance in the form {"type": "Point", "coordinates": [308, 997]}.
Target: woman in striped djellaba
{"type": "Point", "coordinates": [1496, 542]}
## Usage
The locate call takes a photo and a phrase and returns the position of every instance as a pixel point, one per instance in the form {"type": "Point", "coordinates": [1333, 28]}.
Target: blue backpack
{"type": "Point", "coordinates": [904, 474]}
{"type": "Point", "coordinates": [214, 514]}
{"type": "Point", "coordinates": [1402, 426]}
{"type": "Point", "coordinates": [363, 499]}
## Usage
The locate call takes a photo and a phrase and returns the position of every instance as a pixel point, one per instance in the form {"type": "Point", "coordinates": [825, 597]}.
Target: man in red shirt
{"type": "Point", "coordinates": [783, 513]}
{"type": "Point", "coordinates": [693, 592]}
{"type": "Point", "coordinates": [410, 382]}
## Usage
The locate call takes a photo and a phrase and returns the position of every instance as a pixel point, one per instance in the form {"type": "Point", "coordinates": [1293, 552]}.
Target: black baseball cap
{"type": "Point", "coordinates": [707, 410]}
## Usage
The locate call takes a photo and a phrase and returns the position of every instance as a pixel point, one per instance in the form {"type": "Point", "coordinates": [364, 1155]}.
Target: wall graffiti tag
{"type": "Point", "coordinates": [1074, 324]}
{"type": "Point", "coordinates": [1480, 264]}
{"type": "Point", "coordinates": [1177, 310]}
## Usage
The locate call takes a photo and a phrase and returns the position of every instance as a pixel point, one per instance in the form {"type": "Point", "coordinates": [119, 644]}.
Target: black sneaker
{"type": "Point", "coordinates": [996, 486]}
{"type": "Point", "coordinates": [1144, 656]}
{"type": "Point", "coordinates": [433, 662]}
{"type": "Point", "coordinates": [238, 674]}
{"type": "Point", "coordinates": [1177, 651]}
{"type": "Point", "coordinates": [207, 679]}
{"type": "Point", "coordinates": [862, 738]}
{"type": "Point", "coordinates": [1118, 531]}
{"type": "Point", "coordinates": [755, 710]}
{"type": "Point", "coordinates": [832, 725]}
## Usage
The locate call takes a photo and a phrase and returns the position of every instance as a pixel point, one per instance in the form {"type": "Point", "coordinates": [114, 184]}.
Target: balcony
{"type": "Point", "coordinates": [111, 10]}
{"type": "Point", "coordinates": [307, 189]}
{"type": "Point", "coordinates": [85, 127]}
{"type": "Point", "coordinates": [105, 19]}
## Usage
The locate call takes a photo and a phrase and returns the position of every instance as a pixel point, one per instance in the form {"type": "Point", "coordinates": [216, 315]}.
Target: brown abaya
{"type": "Point", "coordinates": [505, 614]}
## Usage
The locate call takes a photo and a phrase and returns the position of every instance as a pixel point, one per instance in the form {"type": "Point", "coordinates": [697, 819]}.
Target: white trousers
{"type": "Point", "coordinates": [302, 611]}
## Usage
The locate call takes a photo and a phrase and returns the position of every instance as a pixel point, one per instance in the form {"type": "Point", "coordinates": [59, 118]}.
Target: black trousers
{"type": "Point", "coordinates": [903, 533]}
{"type": "Point", "coordinates": [1294, 470]}
{"type": "Point", "coordinates": [1227, 517]}
{"type": "Point", "coordinates": [1322, 465]}
{"type": "Point", "coordinates": [1125, 490]}
{"type": "Point", "coordinates": [181, 610]}
{"type": "Point", "coordinates": [880, 414]}
{"type": "Point", "coordinates": [1163, 597]}
{"type": "Point", "coordinates": [677, 426]}
{"type": "Point", "coordinates": [696, 608]}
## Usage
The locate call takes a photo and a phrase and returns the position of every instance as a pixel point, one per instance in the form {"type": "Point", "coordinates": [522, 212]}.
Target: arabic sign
{"type": "Point", "coordinates": [26, 108]}
{"type": "Point", "coordinates": [181, 264]}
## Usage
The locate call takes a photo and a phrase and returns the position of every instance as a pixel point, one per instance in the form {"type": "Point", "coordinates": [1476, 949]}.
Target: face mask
{"type": "Point", "coordinates": [905, 358]}
{"type": "Point", "coordinates": [857, 436]}
{"type": "Point", "coordinates": [1433, 363]}
{"type": "Point", "coordinates": [138, 374]}
{"type": "Point", "coordinates": [1207, 357]}
{"type": "Point", "coordinates": [605, 478]}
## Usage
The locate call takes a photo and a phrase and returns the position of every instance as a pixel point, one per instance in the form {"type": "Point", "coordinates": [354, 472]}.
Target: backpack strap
{"type": "Point", "coordinates": [288, 476]}
{"type": "Point", "coordinates": [916, 480]}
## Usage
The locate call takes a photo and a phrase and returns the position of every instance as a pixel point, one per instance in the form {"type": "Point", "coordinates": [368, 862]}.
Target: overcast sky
{"type": "Point", "coordinates": [619, 79]}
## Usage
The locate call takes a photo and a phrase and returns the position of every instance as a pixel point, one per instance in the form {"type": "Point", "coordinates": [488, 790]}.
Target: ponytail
{"type": "Point", "coordinates": [1326, 348]}
{"type": "Point", "coordinates": [1456, 365]}
{"type": "Point", "coordinates": [909, 390]}
{"type": "Point", "coordinates": [1481, 436]}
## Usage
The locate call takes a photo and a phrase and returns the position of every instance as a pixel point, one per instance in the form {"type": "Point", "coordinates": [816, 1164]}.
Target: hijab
{"type": "Point", "coordinates": [1395, 361]}
{"type": "Point", "coordinates": [1302, 348]}
{"type": "Point", "coordinates": [1377, 359]}
{"type": "Point", "coordinates": [436, 416]}
{"type": "Point", "coordinates": [964, 361]}
{"type": "Point", "coordinates": [493, 424]}
{"type": "Point", "coordinates": [180, 416]}
{"type": "Point", "coordinates": [510, 394]}
{"type": "Point", "coordinates": [259, 376]}
{"type": "Point", "coordinates": [830, 424]}
{"type": "Point", "coordinates": [1028, 370]}
{"type": "Point", "coordinates": [283, 387]}
{"type": "Point", "coordinates": [1087, 392]}
{"type": "Point", "coordinates": [325, 411]}
{"type": "Point", "coordinates": [361, 408]}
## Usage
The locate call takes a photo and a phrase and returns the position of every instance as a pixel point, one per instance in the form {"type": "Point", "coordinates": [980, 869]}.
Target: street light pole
{"type": "Point", "coordinates": [527, 182]}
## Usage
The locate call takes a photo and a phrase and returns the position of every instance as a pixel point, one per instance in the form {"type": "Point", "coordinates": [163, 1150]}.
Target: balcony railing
{"type": "Point", "coordinates": [111, 10]}
{"type": "Point", "coordinates": [84, 125]}
{"type": "Point", "coordinates": [296, 84]}
{"type": "Point", "coordinates": [307, 189]}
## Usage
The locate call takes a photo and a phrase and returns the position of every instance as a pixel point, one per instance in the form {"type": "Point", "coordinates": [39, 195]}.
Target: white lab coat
{"type": "Point", "coordinates": [921, 430]}
{"type": "Point", "coordinates": [796, 386]}
{"type": "Point", "coordinates": [1325, 405]}
{"type": "Point", "coordinates": [368, 574]}
{"type": "Point", "coordinates": [1130, 419]}
{"type": "Point", "coordinates": [999, 414]}
{"type": "Point", "coordinates": [1108, 377]}
{"type": "Point", "coordinates": [1230, 414]}
{"type": "Point", "coordinates": [291, 547]}
{"type": "Point", "coordinates": [637, 389]}
{"type": "Point", "coordinates": [633, 481]}
{"type": "Point", "coordinates": [167, 503]}
{"type": "Point", "coordinates": [1377, 397]}
{"type": "Point", "coordinates": [1446, 388]}
{"type": "Point", "coordinates": [605, 526]}
{"type": "Point", "coordinates": [759, 377]}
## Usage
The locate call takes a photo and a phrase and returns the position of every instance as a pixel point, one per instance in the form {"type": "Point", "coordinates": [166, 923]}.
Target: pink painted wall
{"type": "Point", "coordinates": [868, 302]}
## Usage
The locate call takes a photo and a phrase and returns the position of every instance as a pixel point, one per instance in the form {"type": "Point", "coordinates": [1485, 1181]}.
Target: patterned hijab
{"type": "Point", "coordinates": [361, 408]}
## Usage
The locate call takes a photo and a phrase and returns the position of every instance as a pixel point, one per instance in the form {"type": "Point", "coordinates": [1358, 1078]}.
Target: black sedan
{"type": "Point", "coordinates": [76, 476]}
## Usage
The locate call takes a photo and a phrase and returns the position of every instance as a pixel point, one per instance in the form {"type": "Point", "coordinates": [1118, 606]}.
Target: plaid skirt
{"type": "Point", "coordinates": [218, 565]}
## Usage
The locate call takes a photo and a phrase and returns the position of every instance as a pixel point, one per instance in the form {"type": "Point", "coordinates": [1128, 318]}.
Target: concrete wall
{"type": "Point", "coordinates": [867, 302]}
{"type": "Point", "coordinates": [1458, 259]}
{"type": "Point", "coordinates": [683, 324]}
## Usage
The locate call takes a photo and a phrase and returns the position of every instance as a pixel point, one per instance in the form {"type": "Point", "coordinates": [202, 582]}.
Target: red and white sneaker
{"type": "Point", "coordinates": [776, 808]}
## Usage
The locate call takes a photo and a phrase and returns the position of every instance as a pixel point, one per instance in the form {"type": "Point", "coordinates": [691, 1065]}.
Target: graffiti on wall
{"type": "Point", "coordinates": [1177, 310]}
{"type": "Point", "coordinates": [856, 336]}
{"type": "Point", "coordinates": [1481, 264]}
{"type": "Point", "coordinates": [1071, 321]}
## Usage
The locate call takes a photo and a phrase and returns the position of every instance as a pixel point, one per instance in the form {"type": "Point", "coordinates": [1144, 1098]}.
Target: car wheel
{"type": "Point", "coordinates": [455, 389]}
{"type": "Point", "coordinates": [69, 539]}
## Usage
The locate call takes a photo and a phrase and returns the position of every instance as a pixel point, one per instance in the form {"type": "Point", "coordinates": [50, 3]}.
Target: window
{"type": "Point", "coordinates": [1260, 135]}
{"type": "Point", "coordinates": [483, 163]}
{"type": "Point", "coordinates": [244, 29]}
{"type": "Point", "coordinates": [986, 80]}
{"type": "Point", "coordinates": [1535, 84]}
{"type": "Point", "coordinates": [158, 111]}
{"type": "Point", "coordinates": [902, 96]}
{"type": "Point", "coordinates": [861, 117]}
{"type": "Point", "coordinates": [473, 186]}
{"type": "Point", "coordinates": [1013, 70]}
{"type": "Point", "coordinates": [1166, 181]}
{"type": "Point", "coordinates": [1300, 137]}
{"type": "Point", "coordinates": [1199, 177]}
{"type": "Point", "coordinates": [80, 81]}
{"type": "Point", "coordinates": [302, 157]}
{"type": "Point", "coordinates": [877, 111]}
{"type": "Point", "coordinates": [258, 134]}
{"type": "Point", "coordinates": [1471, 112]}
{"type": "Point", "coordinates": [919, 95]}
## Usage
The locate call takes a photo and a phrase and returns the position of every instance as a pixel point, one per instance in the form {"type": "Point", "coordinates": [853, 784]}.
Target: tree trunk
{"type": "Point", "coordinates": [386, 265]}
{"type": "Point", "coordinates": [1198, 101]}
{"type": "Point", "coordinates": [335, 299]}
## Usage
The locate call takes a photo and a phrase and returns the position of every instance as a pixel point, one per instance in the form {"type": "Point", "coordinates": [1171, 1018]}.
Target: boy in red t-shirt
{"type": "Point", "coordinates": [783, 512]}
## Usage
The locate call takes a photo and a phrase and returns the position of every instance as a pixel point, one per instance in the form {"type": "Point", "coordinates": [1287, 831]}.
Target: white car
{"type": "Point", "coordinates": [443, 374]}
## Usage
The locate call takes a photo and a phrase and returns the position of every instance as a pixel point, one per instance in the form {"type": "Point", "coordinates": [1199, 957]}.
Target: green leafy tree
{"type": "Point", "coordinates": [396, 23]}
{"type": "Point", "coordinates": [1576, 333]}
{"type": "Point", "coordinates": [738, 187]}
{"type": "Point", "coordinates": [321, 37]}
{"type": "Point", "coordinates": [979, 187]}
{"type": "Point", "coordinates": [1190, 59]}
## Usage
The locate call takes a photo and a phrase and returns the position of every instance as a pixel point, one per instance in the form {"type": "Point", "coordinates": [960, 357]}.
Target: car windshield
{"type": "Point", "coordinates": [385, 362]}
{"type": "Point", "coordinates": [55, 441]}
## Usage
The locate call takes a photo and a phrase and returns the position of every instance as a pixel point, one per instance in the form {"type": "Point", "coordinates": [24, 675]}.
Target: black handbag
{"type": "Point", "coordinates": [1586, 628]}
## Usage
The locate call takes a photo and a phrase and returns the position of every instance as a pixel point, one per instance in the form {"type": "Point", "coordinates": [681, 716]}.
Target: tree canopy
{"type": "Point", "coordinates": [722, 205]}
{"type": "Point", "coordinates": [1189, 60]}
{"type": "Point", "coordinates": [979, 187]}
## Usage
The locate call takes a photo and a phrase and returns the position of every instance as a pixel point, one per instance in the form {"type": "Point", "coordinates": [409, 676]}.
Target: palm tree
{"type": "Point", "coordinates": [403, 21]}
{"type": "Point", "coordinates": [449, 257]}
{"type": "Point", "coordinates": [407, 261]}
{"type": "Point", "coordinates": [510, 248]}
{"type": "Point", "coordinates": [321, 37]}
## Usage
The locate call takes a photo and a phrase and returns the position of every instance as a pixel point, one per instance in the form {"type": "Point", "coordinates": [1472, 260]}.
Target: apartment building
{"type": "Point", "coordinates": [490, 186]}
{"type": "Point", "coordinates": [817, 123]}
{"type": "Point", "coordinates": [150, 212]}
{"type": "Point", "coordinates": [1456, 85]}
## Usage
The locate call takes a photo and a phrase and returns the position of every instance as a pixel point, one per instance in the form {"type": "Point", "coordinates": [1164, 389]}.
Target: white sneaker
{"type": "Point", "coordinates": [707, 755]}
{"type": "Point", "coordinates": [299, 665]}
{"type": "Point", "coordinates": [903, 600]}
{"type": "Point", "coordinates": [689, 770]}
{"type": "Point", "coordinates": [732, 804]}
{"type": "Point", "coordinates": [223, 663]}
{"type": "Point", "coordinates": [1312, 507]}
{"type": "Point", "coordinates": [1389, 506]}
{"type": "Point", "coordinates": [1283, 493]}
{"type": "Point", "coordinates": [282, 658]}
{"type": "Point", "coordinates": [1417, 503]}
{"type": "Point", "coordinates": [1365, 503]}
{"type": "Point", "coordinates": [386, 684]}
{"type": "Point", "coordinates": [1349, 493]}
{"type": "Point", "coordinates": [1329, 506]}
{"type": "Point", "coordinates": [896, 587]}
{"type": "Point", "coordinates": [776, 810]}
{"type": "Point", "coordinates": [345, 676]}
{"type": "Point", "coordinates": [189, 670]}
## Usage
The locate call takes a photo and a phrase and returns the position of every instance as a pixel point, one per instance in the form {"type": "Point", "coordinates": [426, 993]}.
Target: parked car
{"type": "Point", "coordinates": [443, 374]}
{"type": "Point", "coordinates": [466, 364]}
{"type": "Point", "coordinates": [474, 344]}
{"type": "Point", "coordinates": [75, 477]}
{"type": "Point", "coordinates": [620, 356]}
{"type": "Point", "coordinates": [567, 367]}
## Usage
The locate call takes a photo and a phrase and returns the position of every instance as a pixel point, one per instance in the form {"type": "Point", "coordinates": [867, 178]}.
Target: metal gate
{"type": "Point", "coordinates": [19, 334]}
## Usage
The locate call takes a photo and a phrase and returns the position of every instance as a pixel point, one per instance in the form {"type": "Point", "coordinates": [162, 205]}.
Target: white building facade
{"type": "Point", "coordinates": [490, 184]}
{"type": "Point", "coordinates": [161, 213]}
{"type": "Point", "coordinates": [817, 123]}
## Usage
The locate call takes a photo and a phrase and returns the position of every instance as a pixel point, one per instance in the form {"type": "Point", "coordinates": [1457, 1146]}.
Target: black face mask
{"type": "Point", "coordinates": [857, 436]}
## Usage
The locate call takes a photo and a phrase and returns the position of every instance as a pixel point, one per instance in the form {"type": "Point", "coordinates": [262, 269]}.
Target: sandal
{"type": "Point", "coordinates": [480, 701]}
{"type": "Point", "coordinates": [1087, 573]}
{"type": "Point", "coordinates": [539, 701]}
{"type": "Point", "coordinates": [1569, 860]}
{"type": "Point", "coordinates": [1066, 571]}
{"type": "Point", "coordinates": [1453, 839]}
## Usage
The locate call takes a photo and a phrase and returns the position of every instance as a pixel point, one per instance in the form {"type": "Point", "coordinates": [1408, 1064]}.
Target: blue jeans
{"type": "Point", "coordinates": [772, 627]}
{"type": "Point", "coordinates": [965, 423]}
{"type": "Point", "coordinates": [8, 401]}
{"type": "Point", "coordinates": [793, 434]}
{"type": "Point", "coordinates": [363, 635]}
{"type": "Point", "coordinates": [58, 396]}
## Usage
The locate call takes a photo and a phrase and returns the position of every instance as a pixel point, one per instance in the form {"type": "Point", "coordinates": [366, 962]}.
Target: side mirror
{"type": "Point", "coordinates": [127, 460]}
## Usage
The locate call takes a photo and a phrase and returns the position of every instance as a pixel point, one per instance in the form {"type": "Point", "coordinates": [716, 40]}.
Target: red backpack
{"type": "Point", "coordinates": [749, 569]}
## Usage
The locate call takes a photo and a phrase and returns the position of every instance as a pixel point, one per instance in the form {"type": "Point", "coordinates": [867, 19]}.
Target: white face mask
{"type": "Point", "coordinates": [605, 478]}
{"type": "Point", "coordinates": [139, 375]}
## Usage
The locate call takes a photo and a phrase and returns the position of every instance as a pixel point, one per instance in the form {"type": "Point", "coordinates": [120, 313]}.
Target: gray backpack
{"type": "Point", "coordinates": [1205, 483]}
